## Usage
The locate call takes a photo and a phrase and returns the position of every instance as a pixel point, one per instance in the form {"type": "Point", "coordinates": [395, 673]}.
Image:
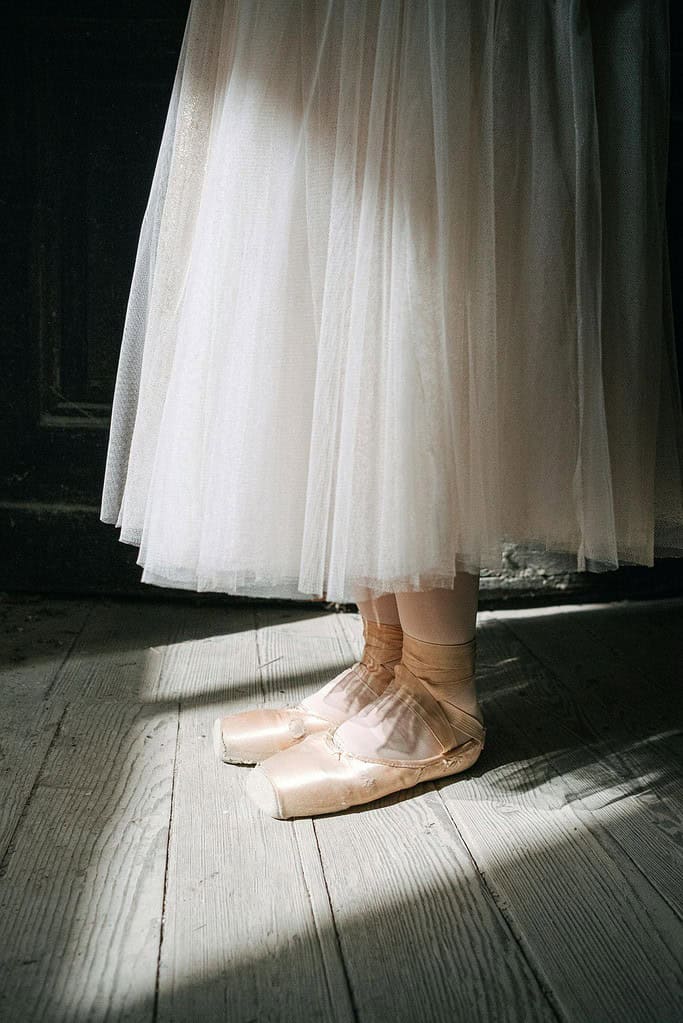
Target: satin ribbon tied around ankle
{"type": "Point", "coordinates": [383, 644]}
{"type": "Point", "coordinates": [458, 659]}
{"type": "Point", "coordinates": [364, 681]}
{"type": "Point", "coordinates": [414, 719]}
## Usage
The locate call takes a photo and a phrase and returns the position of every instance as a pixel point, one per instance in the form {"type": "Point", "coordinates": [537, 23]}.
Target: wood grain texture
{"type": "Point", "coordinates": [36, 638]}
{"type": "Point", "coordinates": [617, 702]}
{"type": "Point", "coordinates": [564, 761]}
{"type": "Point", "coordinates": [137, 881]}
{"type": "Point", "coordinates": [646, 635]}
{"type": "Point", "coordinates": [119, 653]}
{"type": "Point", "coordinates": [27, 730]}
{"type": "Point", "coordinates": [248, 933]}
{"type": "Point", "coordinates": [530, 815]}
{"type": "Point", "coordinates": [573, 908]}
{"type": "Point", "coordinates": [82, 887]}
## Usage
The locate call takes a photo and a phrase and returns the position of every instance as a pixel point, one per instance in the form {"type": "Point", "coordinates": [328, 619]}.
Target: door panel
{"type": "Point", "coordinates": [89, 91]}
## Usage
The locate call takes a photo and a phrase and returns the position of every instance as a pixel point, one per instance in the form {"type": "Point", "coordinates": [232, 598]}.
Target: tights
{"type": "Point", "coordinates": [439, 616]}
{"type": "Point", "coordinates": [435, 616]}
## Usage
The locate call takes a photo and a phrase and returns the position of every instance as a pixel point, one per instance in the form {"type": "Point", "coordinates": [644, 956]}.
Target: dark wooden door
{"type": "Point", "coordinates": [86, 88]}
{"type": "Point", "coordinates": [89, 85]}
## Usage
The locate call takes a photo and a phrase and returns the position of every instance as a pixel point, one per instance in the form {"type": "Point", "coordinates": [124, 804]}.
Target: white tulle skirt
{"type": "Point", "coordinates": [401, 299]}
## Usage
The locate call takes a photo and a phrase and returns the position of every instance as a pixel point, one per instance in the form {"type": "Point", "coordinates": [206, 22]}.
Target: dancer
{"type": "Point", "coordinates": [401, 300]}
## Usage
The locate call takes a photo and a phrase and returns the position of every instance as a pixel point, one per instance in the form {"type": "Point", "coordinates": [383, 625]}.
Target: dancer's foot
{"type": "Point", "coordinates": [253, 735]}
{"type": "Point", "coordinates": [426, 724]}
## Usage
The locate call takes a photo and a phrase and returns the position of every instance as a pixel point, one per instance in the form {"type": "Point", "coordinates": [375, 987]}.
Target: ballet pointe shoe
{"type": "Point", "coordinates": [254, 735]}
{"type": "Point", "coordinates": [413, 732]}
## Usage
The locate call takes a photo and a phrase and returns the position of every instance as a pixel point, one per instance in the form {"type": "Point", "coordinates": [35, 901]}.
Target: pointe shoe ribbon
{"type": "Point", "coordinates": [442, 671]}
{"type": "Point", "coordinates": [413, 737]}
{"type": "Point", "coordinates": [254, 735]}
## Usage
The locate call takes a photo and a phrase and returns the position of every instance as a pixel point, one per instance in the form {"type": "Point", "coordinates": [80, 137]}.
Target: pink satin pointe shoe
{"type": "Point", "coordinates": [254, 735]}
{"type": "Point", "coordinates": [413, 732]}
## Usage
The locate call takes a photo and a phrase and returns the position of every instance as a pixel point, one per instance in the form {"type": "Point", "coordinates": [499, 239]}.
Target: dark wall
{"type": "Point", "coordinates": [85, 92]}
{"type": "Point", "coordinates": [88, 87]}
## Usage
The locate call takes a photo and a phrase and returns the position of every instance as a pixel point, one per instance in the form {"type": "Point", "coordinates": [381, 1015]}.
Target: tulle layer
{"type": "Point", "coordinates": [401, 299]}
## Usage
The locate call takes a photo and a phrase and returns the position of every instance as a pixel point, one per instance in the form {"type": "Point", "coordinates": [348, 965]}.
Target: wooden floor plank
{"type": "Point", "coordinates": [119, 653]}
{"type": "Point", "coordinates": [27, 729]}
{"type": "Point", "coordinates": [647, 635]}
{"type": "Point", "coordinates": [571, 908]}
{"type": "Point", "coordinates": [571, 894]}
{"type": "Point", "coordinates": [81, 892]}
{"type": "Point", "coordinates": [614, 705]}
{"type": "Point", "coordinates": [248, 932]}
{"type": "Point", "coordinates": [36, 637]}
{"type": "Point", "coordinates": [542, 884]}
{"type": "Point", "coordinates": [556, 758]}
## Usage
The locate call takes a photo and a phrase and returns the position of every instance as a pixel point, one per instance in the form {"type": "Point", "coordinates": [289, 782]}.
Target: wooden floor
{"type": "Point", "coordinates": [138, 883]}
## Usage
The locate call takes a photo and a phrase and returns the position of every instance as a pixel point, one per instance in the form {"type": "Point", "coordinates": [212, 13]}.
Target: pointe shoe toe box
{"type": "Point", "coordinates": [318, 777]}
{"type": "Point", "coordinates": [314, 781]}
{"type": "Point", "coordinates": [254, 735]}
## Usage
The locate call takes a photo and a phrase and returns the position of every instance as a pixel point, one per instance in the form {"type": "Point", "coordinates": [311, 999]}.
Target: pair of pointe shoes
{"type": "Point", "coordinates": [385, 724]}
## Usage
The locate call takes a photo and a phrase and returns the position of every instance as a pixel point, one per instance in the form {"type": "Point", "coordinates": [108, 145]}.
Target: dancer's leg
{"type": "Point", "coordinates": [441, 615]}
{"type": "Point", "coordinates": [445, 618]}
{"type": "Point", "coordinates": [378, 609]}
{"type": "Point", "coordinates": [368, 677]}
{"type": "Point", "coordinates": [438, 656]}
